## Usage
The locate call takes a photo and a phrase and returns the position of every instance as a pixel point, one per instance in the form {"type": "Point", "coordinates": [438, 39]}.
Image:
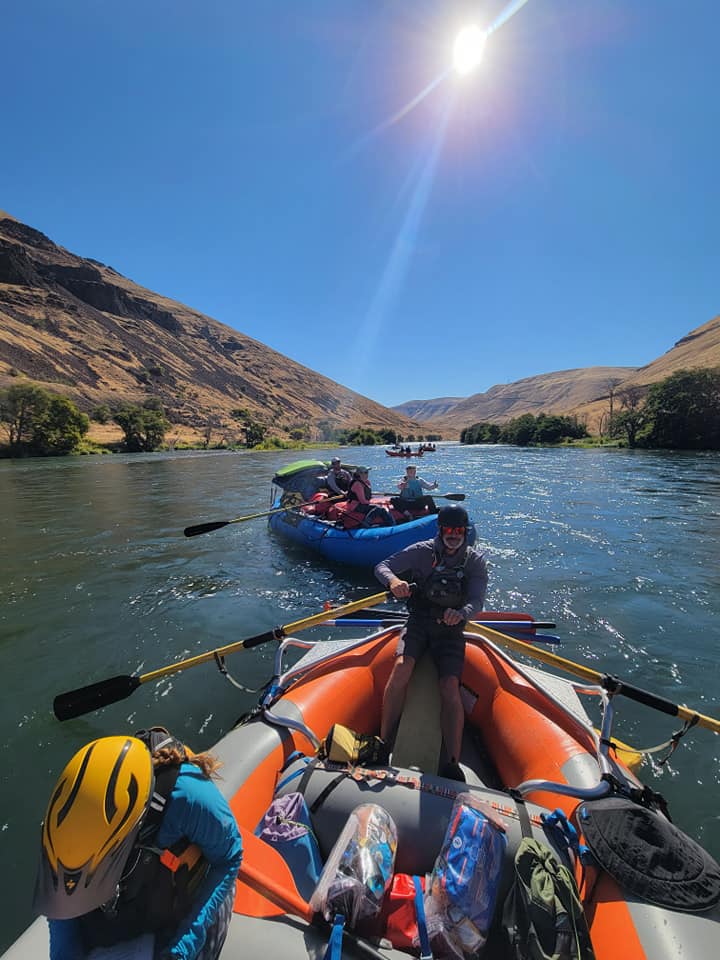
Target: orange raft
{"type": "Point", "coordinates": [526, 734]}
{"type": "Point", "coordinates": [525, 729]}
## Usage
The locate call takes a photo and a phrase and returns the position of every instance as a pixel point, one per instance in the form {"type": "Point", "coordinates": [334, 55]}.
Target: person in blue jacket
{"type": "Point", "coordinates": [412, 499]}
{"type": "Point", "coordinates": [138, 844]}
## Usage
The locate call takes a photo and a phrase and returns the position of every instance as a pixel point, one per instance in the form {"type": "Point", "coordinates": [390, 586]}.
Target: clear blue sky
{"type": "Point", "coordinates": [557, 208]}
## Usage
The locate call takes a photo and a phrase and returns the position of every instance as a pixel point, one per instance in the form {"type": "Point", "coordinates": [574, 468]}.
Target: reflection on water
{"type": "Point", "coordinates": [619, 548]}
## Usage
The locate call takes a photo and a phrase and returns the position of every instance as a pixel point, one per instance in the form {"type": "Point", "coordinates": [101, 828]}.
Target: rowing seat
{"type": "Point", "coordinates": [419, 737]}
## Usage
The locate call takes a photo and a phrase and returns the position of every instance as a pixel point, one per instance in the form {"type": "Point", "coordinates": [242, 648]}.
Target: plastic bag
{"type": "Point", "coordinates": [460, 901]}
{"type": "Point", "coordinates": [360, 867]}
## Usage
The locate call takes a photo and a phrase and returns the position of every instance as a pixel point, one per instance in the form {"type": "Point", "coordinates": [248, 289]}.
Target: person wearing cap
{"type": "Point", "coordinates": [450, 582]}
{"type": "Point", "coordinates": [359, 500]}
{"type": "Point", "coordinates": [138, 844]}
{"type": "Point", "coordinates": [337, 479]}
{"type": "Point", "coordinates": [412, 499]}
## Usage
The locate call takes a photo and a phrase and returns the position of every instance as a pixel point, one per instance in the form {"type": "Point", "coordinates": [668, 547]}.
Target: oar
{"type": "Point", "coordinates": [430, 493]}
{"type": "Point", "coordinates": [198, 528]}
{"type": "Point", "coordinates": [501, 623]}
{"type": "Point", "coordinates": [513, 626]}
{"type": "Point", "coordinates": [606, 681]}
{"type": "Point", "coordinates": [77, 702]}
{"type": "Point", "coordinates": [511, 631]}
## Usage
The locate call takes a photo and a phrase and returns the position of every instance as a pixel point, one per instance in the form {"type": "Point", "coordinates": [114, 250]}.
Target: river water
{"type": "Point", "coordinates": [619, 548]}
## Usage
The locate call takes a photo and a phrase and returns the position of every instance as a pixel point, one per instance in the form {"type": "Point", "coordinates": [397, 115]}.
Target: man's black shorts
{"type": "Point", "coordinates": [446, 644]}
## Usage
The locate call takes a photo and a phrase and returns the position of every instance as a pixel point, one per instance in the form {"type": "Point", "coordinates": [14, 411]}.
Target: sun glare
{"type": "Point", "coordinates": [468, 49]}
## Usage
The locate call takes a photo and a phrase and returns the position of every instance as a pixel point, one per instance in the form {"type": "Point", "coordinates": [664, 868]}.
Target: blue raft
{"type": "Point", "coordinates": [361, 547]}
{"type": "Point", "coordinates": [358, 546]}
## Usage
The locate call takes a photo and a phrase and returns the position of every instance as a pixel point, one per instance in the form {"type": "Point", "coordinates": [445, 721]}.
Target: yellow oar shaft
{"type": "Point", "coordinates": [587, 673]}
{"type": "Point", "coordinates": [288, 628]}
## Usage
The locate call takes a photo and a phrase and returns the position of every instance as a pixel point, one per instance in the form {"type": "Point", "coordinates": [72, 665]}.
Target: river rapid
{"type": "Point", "coordinates": [619, 548]}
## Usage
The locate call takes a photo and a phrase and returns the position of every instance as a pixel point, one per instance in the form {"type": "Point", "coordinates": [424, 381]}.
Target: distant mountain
{"type": "Point", "coordinates": [549, 392]}
{"type": "Point", "coordinates": [427, 409]}
{"type": "Point", "coordinates": [585, 392]}
{"type": "Point", "coordinates": [80, 328]}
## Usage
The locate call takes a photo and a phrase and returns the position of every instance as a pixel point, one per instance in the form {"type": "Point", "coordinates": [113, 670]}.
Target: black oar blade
{"type": "Point", "coordinates": [205, 527]}
{"type": "Point", "coordinates": [77, 702]}
{"type": "Point", "coordinates": [452, 496]}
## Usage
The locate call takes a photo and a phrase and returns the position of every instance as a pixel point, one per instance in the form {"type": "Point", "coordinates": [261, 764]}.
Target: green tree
{"type": "Point", "coordinates": [21, 405]}
{"type": "Point", "coordinates": [551, 428]}
{"type": "Point", "coordinates": [520, 431]}
{"type": "Point", "coordinates": [101, 414]}
{"type": "Point", "coordinates": [254, 432]}
{"type": "Point", "coordinates": [144, 427]}
{"type": "Point", "coordinates": [40, 423]}
{"type": "Point", "coordinates": [253, 429]}
{"type": "Point", "coordinates": [483, 432]}
{"type": "Point", "coordinates": [683, 411]}
{"type": "Point", "coordinates": [631, 418]}
{"type": "Point", "coordinates": [60, 430]}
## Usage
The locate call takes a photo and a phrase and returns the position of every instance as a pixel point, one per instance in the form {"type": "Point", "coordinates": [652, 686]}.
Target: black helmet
{"type": "Point", "coordinates": [453, 517]}
{"type": "Point", "coordinates": [335, 460]}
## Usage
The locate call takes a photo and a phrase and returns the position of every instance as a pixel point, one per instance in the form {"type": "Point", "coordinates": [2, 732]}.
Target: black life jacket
{"type": "Point", "coordinates": [158, 886]}
{"type": "Point", "coordinates": [342, 479]}
{"type": "Point", "coordinates": [353, 497]}
{"type": "Point", "coordinates": [446, 586]}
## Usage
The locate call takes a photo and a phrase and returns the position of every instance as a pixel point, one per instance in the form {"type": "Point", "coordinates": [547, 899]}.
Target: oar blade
{"type": "Point", "coordinates": [451, 496]}
{"type": "Point", "coordinates": [205, 527]}
{"type": "Point", "coordinates": [75, 703]}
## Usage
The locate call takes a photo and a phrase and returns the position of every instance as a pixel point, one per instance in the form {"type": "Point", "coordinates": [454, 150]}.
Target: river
{"type": "Point", "coordinates": [619, 548]}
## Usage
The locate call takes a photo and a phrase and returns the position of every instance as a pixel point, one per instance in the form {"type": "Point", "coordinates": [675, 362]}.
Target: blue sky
{"type": "Point", "coordinates": [556, 208]}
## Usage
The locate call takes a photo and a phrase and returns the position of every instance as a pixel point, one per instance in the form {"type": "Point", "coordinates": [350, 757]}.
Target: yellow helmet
{"type": "Point", "coordinates": [90, 826]}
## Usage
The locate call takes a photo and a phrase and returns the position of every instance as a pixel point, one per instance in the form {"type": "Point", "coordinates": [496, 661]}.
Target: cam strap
{"type": "Point", "coordinates": [522, 813]}
{"type": "Point", "coordinates": [334, 947]}
{"type": "Point", "coordinates": [425, 950]}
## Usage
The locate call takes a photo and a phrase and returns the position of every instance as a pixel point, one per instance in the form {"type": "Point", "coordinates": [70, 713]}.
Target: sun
{"type": "Point", "coordinates": [468, 49]}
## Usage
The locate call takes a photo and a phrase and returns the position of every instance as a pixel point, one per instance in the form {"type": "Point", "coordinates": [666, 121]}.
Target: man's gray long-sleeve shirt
{"type": "Point", "coordinates": [416, 562]}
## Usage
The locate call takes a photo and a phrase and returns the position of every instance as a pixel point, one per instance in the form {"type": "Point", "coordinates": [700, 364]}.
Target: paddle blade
{"type": "Point", "coordinates": [451, 496]}
{"type": "Point", "coordinates": [205, 527]}
{"type": "Point", "coordinates": [267, 887]}
{"type": "Point", "coordinates": [77, 702]}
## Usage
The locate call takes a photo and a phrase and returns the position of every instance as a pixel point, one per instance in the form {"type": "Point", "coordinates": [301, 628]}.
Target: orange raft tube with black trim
{"type": "Point", "coordinates": [524, 728]}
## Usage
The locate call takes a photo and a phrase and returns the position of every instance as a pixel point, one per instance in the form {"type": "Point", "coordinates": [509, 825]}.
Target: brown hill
{"type": "Point", "coordinates": [428, 409]}
{"type": "Point", "coordinates": [81, 329]}
{"type": "Point", "coordinates": [699, 349]}
{"type": "Point", "coordinates": [586, 392]}
{"type": "Point", "coordinates": [556, 392]}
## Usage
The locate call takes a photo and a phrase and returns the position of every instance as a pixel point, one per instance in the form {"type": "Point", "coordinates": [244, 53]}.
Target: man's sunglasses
{"type": "Point", "coordinates": [453, 531]}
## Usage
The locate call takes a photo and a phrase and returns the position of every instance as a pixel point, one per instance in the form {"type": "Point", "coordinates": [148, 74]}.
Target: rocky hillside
{"type": "Point", "coordinates": [550, 392]}
{"type": "Point", "coordinates": [428, 409]}
{"type": "Point", "coordinates": [698, 349]}
{"type": "Point", "coordinates": [80, 328]}
{"type": "Point", "coordinates": [585, 392]}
